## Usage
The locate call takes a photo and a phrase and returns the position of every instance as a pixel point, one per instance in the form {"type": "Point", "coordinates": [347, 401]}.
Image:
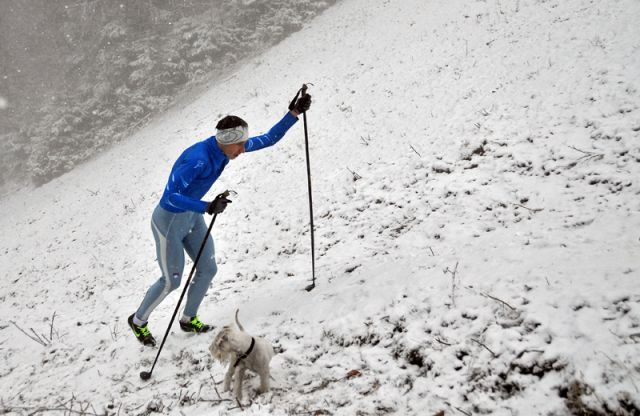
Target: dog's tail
{"type": "Point", "coordinates": [237, 321]}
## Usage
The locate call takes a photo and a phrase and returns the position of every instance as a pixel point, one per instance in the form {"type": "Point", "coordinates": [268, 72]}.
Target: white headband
{"type": "Point", "coordinates": [232, 135]}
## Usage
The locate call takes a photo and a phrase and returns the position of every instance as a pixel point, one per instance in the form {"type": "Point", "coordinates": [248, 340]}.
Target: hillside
{"type": "Point", "coordinates": [475, 170]}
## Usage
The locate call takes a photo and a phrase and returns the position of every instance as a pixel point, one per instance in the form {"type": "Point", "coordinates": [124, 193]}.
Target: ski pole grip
{"type": "Point", "coordinates": [293, 102]}
{"type": "Point", "coordinates": [301, 91]}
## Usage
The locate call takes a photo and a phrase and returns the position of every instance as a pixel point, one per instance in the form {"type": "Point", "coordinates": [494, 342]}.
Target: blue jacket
{"type": "Point", "coordinates": [200, 166]}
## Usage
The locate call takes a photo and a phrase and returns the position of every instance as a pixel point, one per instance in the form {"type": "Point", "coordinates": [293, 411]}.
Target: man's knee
{"type": "Point", "coordinates": [174, 281]}
{"type": "Point", "coordinates": [207, 267]}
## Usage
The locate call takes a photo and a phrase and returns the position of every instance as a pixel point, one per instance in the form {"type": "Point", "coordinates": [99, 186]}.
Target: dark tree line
{"type": "Point", "coordinates": [80, 75]}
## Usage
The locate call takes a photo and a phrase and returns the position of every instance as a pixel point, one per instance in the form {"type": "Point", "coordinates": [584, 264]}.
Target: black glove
{"type": "Point", "coordinates": [218, 204]}
{"type": "Point", "coordinates": [302, 104]}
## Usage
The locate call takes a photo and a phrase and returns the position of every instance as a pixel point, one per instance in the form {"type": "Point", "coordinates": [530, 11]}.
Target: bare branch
{"type": "Point", "coordinates": [498, 300]}
{"type": "Point", "coordinates": [441, 342]}
{"type": "Point", "coordinates": [321, 386]}
{"type": "Point", "coordinates": [354, 174]}
{"type": "Point", "coordinates": [38, 340]}
{"type": "Point", "coordinates": [453, 283]}
{"type": "Point", "coordinates": [42, 341]}
{"type": "Point", "coordinates": [586, 156]}
{"type": "Point", "coordinates": [240, 405]}
{"type": "Point", "coordinates": [214, 385]}
{"type": "Point", "coordinates": [53, 318]}
{"type": "Point", "coordinates": [458, 409]}
{"type": "Point", "coordinates": [66, 408]}
{"type": "Point", "coordinates": [462, 411]}
{"type": "Point", "coordinates": [487, 348]}
{"type": "Point", "coordinates": [533, 210]}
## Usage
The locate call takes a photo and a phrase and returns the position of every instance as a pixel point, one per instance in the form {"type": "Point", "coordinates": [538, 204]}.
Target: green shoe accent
{"type": "Point", "coordinates": [195, 321]}
{"type": "Point", "coordinates": [195, 325]}
{"type": "Point", "coordinates": [142, 333]}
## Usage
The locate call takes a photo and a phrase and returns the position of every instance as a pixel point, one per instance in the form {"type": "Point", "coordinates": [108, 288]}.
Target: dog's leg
{"type": "Point", "coordinates": [264, 382]}
{"type": "Point", "coordinates": [227, 377]}
{"type": "Point", "coordinates": [237, 388]}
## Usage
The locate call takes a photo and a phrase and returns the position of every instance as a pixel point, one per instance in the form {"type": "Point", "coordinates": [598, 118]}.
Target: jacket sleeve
{"type": "Point", "coordinates": [272, 136]}
{"type": "Point", "coordinates": [180, 180]}
{"type": "Point", "coordinates": [187, 204]}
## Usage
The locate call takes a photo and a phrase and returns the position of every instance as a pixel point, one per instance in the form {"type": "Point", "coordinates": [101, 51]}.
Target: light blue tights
{"type": "Point", "coordinates": [176, 233]}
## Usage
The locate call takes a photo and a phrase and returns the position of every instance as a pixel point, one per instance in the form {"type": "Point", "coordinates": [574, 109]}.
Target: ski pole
{"type": "Point", "coordinates": [310, 287]}
{"type": "Point", "coordinates": [146, 375]}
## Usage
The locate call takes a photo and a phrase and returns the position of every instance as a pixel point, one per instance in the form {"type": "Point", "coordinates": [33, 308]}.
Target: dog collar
{"type": "Point", "coordinates": [246, 354]}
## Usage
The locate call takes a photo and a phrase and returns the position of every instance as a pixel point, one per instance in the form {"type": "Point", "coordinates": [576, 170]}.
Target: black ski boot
{"type": "Point", "coordinates": [195, 325]}
{"type": "Point", "coordinates": [142, 333]}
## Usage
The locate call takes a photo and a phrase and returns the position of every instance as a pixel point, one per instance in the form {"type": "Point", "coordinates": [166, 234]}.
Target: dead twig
{"type": "Point", "coordinates": [523, 352]}
{"type": "Point", "coordinates": [586, 156]}
{"type": "Point", "coordinates": [321, 386]}
{"type": "Point", "coordinates": [354, 174]}
{"type": "Point", "coordinates": [458, 409]}
{"type": "Point", "coordinates": [53, 318]}
{"type": "Point", "coordinates": [114, 331]}
{"type": "Point", "coordinates": [442, 342]}
{"type": "Point", "coordinates": [65, 407]}
{"type": "Point", "coordinates": [199, 391]}
{"type": "Point", "coordinates": [216, 401]}
{"type": "Point", "coordinates": [214, 385]}
{"type": "Point", "coordinates": [43, 338]}
{"type": "Point", "coordinates": [36, 339]}
{"type": "Point", "coordinates": [485, 347]}
{"type": "Point", "coordinates": [453, 283]}
{"type": "Point", "coordinates": [412, 148]}
{"type": "Point", "coordinates": [462, 411]}
{"type": "Point", "coordinates": [533, 210]}
{"type": "Point", "coordinates": [240, 405]}
{"type": "Point", "coordinates": [44, 410]}
{"type": "Point", "coordinates": [498, 300]}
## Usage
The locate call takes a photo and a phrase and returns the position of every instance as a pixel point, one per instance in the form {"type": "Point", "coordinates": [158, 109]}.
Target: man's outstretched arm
{"type": "Point", "coordinates": [276, 133]}
{"type": "Point", "coordinates": [273, 135]}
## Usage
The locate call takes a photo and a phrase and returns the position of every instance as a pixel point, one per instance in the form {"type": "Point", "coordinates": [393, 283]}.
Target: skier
{"type": "Point", "coordinates": [177, 221]}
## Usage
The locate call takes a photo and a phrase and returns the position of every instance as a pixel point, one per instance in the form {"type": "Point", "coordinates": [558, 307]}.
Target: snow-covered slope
{"type": "Point", "coordinates": [476, 171]}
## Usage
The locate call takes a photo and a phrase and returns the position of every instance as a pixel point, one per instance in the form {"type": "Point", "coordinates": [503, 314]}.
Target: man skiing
{"type": "Point", "coordinates": [177, 221]}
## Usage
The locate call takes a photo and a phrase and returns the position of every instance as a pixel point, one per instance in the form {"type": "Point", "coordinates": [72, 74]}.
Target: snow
{"type": "Point", "coordinates": [475, 171]}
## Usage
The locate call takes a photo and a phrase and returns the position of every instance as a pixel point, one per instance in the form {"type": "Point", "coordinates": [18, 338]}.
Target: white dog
{"type": "Point", "coordinates": [242, 351]}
